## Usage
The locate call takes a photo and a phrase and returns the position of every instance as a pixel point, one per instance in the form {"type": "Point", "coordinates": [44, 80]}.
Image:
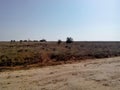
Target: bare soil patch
{"type": "Point", "coordinates": [98, 74]}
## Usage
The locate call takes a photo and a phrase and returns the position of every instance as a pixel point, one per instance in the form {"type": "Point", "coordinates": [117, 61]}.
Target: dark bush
{"type": "Point", "coordinates": [69, 40]}
{"type": "Point", "coordinates": [21, 41]}
{"type": "Point", "coordinates": [35, 41]}
{"type": "Point", "coordinates": [61, 56]}
{"type": "Point", "coordinates": [59, 42]}
{"type": "Point", "coordinates": [43, 40]}
{"type": "Point", "coordinates": [4, 60]}
{"type": "Point", "coordinates": [12, 40]}
{"type": "Point", "coordinates": [25, 40]}
{"type": "Point", "coordinates": [101, 55]}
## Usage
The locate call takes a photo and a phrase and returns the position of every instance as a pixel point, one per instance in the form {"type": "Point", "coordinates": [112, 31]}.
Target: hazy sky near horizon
{"type": "Point", "coordinates": [94, 20]}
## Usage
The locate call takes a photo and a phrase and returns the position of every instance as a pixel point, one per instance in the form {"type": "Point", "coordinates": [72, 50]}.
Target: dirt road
{"type": "Point", "coordinates": [99, 74]}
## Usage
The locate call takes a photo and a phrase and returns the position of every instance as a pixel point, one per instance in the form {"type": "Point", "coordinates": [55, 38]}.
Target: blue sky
{"type": "Point", "coordinates": [83, 20]}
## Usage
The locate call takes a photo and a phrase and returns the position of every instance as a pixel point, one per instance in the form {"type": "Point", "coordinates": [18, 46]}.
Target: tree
{"type": "Point", "coordinates": [43, 40]}
{"type": "Point", "coordinates": [69, 40]}
{"type": "Point", "coordinates": [12, 40]}
{"type": "Point", "coordinates": [59, 42]}
{"type": "Point", "coordinates": [21, 41]}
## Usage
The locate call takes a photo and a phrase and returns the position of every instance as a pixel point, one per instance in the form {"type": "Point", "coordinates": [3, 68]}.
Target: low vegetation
{"type": "Point", "coordinates": [53, 53]}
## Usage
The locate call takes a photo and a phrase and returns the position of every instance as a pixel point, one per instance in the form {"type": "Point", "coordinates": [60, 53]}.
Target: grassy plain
{"type": "Point", "coordinates": [29, 54]}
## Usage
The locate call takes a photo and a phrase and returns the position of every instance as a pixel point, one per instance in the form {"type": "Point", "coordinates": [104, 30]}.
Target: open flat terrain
{"type": "Point", "coordinates": [98, 74]}
{"type": "Point", "coordinates": [39, 54]}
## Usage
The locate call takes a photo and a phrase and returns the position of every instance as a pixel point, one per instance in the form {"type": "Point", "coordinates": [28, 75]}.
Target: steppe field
{"type": "Point", "coordinates": [64, 66]}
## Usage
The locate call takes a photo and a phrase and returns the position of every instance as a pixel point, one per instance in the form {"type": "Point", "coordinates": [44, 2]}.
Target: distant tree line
{"type": "Point", "coordinates": [68, 40]}
{"type": "Point", "coordinates": [42, 40]}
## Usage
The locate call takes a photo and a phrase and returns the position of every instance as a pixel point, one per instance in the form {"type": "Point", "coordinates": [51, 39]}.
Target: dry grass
{"type": "Point", "coordinates": [50, 53]}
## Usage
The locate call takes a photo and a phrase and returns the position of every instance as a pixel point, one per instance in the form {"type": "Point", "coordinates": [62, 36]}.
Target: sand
{"type": "Point", "coordinates": [98, 74]}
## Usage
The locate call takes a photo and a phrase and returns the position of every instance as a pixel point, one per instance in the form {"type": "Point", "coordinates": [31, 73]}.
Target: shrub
{"type": "Point", "coordinates": [61, 56]}
{"type": "Point", "coordinates": [43, 40]}
{"type": "Point", "coordinates": [25, 40]}
{"type": "Point", "coordinates": [59, 42]}
{"type": "Point", "coordinates": [12, 40]}
{"type": "Point", "coordinates": [21, 41]}
{"type": "Point", "coordinates": [4, 61]}
{"type": "Point", "coordinates": [35, 41]}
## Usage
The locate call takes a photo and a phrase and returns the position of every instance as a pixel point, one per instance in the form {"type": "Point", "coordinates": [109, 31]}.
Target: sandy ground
{"type": "Point", "coordinates": [99, 74]}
